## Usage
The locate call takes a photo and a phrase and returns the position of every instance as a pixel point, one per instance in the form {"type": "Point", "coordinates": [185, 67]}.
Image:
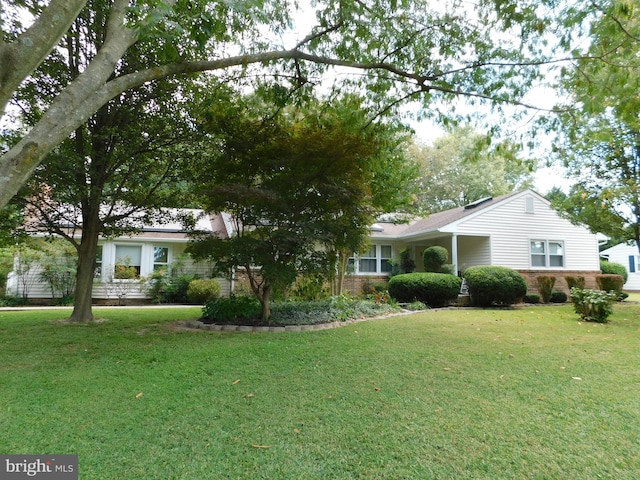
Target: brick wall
{"type": "Point", "coordinates": [561, 284]}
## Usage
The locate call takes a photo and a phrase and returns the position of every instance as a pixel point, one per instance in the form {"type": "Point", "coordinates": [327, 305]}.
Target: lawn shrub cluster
{"type": "Point", "coordinates": [246, 310]}
{"type": "Point", "coordinates": [201, 290]}
{"type": "Point", "coordinates": [432, 289]}
{"type": "Point", "coordinates": [493, 285]}
{"type": "Point", "coordinates": [593, 305]}
{"type": "Point", "coordinates": [545, 287]}
{"type": "Point", "coordinates": [558, 297]}
{"type": "Point", "coordinates": [612, 268]}
{"type": "Point", "coordinates": [165, 287]}
{"type": "Point", "coordinates": [610, 282]}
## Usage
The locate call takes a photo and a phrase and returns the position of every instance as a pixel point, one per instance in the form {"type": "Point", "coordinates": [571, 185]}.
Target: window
{"type": "Point", "coordinates": [98, 271]}
{"type": "Point", "coordinates": [128, 261]}
{"type": "Point", "coordinates": [376, 260]}
{"type": "Point", "coordinates": [634, 262]}
{"type": "Point", "coordinates": [546, 253]}
{"type": "Point", "coordinates": [160, 258]}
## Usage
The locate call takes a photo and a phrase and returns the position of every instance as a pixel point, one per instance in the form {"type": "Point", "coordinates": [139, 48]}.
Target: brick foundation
{"type": "Point", "coordinates": [561, 284]}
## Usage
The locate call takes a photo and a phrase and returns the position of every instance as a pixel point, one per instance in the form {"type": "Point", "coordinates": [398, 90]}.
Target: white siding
{"type": "Point", "coordinates": [620, 254]}
{"type": "Point", "coordinates": [512, 229]}
{"type": "Point", "coordinates": [473, 251]}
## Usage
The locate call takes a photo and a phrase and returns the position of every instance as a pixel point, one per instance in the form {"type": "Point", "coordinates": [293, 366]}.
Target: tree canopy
{"type": "Point", "coordinates": [489, 50]}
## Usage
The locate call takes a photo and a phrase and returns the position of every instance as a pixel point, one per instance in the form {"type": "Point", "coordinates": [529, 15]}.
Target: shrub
{"type": "Point", "coordinates": [433, 289]}
{"type": "Point", "coordinates": [407, 264]}
{"type": "Point", "coordinates": [532, 298]}
{"type": "Point", "coordinates": [434, 258]}
{"type": "Point", "coordinates": [613, 268]}
{"type": "Point", "coordinates": [577, 282]}
{"type": "Point", "coordinates": [489, 285]}
{"type": "Point", "coordinates": [201, 290]}
{"type": "Point", "coordinates": [231, 309]}
{"type": "Point", "coordinates": [558, 297]}
{"type": "Point", "coordinates": [610, 282]}
{"type": "Point", "coordinates": [593, 305]}
{"type": "Point", "coordinates": [545, 287]}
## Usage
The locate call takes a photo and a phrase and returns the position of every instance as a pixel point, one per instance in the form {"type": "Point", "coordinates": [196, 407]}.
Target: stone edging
{"type": "Point", "coordinates": [198, 325]}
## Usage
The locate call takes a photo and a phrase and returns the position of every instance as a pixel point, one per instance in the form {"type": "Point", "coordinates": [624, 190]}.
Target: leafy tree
{"type": "Point", "coordinates": [294, 181]}
{"type": "Point", "coordinates": [600, 143]}
{"type": "Point", "coordinates": [115, 171]}
{"type": "Point", "coordinates": [489, 50]}
{"type": "Point", "coordinates": [464, 166]}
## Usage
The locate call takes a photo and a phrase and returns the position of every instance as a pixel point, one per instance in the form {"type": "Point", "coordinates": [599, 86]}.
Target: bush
{"type": "Point", "coordinates": [532, 298]}
{"type": "Point", "coordinates": [610, 283]}
{"type": "Point", "coordinates": [407, 264]}
{"type": "Point", "coordinates": [593, 305]}
{"type": "Point", "coordinates": [492, 285]}
{"type": "Point", "coordinates": [163, 287]}
{"type": "Point", "coordinates": [433, 289]}
{"type": "Point", "coordinates": [558, 297]}
{"type": "Point", "coordinates": [434, 258]}
{"type": "Point", "coordinates": [201, 290]}
{"type": "Point", "coordinates": [545, 287]}
{"type": "Point", "coordinates": [613, 268]}
{"type": "Point", "coordinates": [577, 282]}
{"type": "Point", "coordinates": [231, 309]}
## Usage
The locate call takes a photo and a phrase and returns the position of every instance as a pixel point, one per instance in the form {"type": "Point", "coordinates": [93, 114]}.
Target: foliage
{"type": "Point", "coordinates": [309, 288]}
{"type": "Point", "coordinates": [168, 286]}
{"type": "Point", "coordinates": [558, 297]}
{"type": "Point", "coordinates": [532, 298]}
{"type": "Point", "coordinates": [302, 187]}
{"type": "Point", "coordinates": [434, 258]}
{"type": "Point", "coordinates": [433, 289]}
{"type": "Point", "coordinates": [545, 287]}
{"type": "Point", "coordinates": [614, 268]}
{"type": "Point", "coordinates": [494, 285]}
{"type": "Point", "coordinates": [202, 290]}
{"type": "Point", "coordinates": [231, 309]}
{"type": "Point", "coordinates": [407, 264]}
{"type": "Point", "coordinates": [610, 282]}
{"type": "Point", "coordinates": [593, 305]}
{"type": "Point", "coordinates": [464, 166]}
{"type": "Point", "coordinates": [577, 282]}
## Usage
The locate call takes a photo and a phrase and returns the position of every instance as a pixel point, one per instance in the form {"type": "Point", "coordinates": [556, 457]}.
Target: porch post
{"type": "Point", "coordinates": [454, 253]}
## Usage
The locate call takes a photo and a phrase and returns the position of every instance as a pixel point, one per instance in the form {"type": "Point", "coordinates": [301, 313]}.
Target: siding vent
{"type": "Point", "coordinates": [528, 205]}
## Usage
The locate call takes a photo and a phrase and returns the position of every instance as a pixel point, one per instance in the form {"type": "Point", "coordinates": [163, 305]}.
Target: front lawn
{"type": "Point", "coordinates": [460, 393]}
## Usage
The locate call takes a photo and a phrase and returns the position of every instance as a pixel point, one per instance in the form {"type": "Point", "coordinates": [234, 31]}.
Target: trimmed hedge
{"type": "Point", "coordinates": [432, 289]}
{"type": "Point", "coordinates": [201, 290]}
{"type": "Point", "coordinates": [610, 282]}
{"type": "Point", "coordinates": [612, 268]}
{"type": "Point", "coordinates": [545, 287]}
{"type": "Point", "coordinates": [577, 282]}
{"type": "Point", "coordinates": [493, 285]}
{"type": "Point", "coordinates": [558, 297]}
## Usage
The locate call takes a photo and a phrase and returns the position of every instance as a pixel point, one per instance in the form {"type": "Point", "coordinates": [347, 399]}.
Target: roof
{"type": "Point", "coordinates": [439, 220]}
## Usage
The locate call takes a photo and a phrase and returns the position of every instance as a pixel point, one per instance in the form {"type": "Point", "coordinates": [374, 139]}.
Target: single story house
{"type": "Point", "coordinates": [519, 230]}
{"type": "Point", "coordinates": [626, 254]}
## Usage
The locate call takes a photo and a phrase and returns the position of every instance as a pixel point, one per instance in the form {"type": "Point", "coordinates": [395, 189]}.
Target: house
{"type": "Point", "coordinates": [155, 246]}
{"type": "Point", "coordinates": [627, 255]}
{"type": "Point", "coordinates": [519, 230]}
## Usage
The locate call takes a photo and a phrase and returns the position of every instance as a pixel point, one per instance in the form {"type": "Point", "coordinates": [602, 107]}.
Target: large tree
{"type": "Point", "coordinates": [599, 142]}
{"type": "Point", "coordinates": [464, 166]}
{"type": "Point", "coordinates": [116, 170]}
{"type": "Point", "coordinates": [489, 50]}
{"type": "Point", "coordinates": [300, 185]}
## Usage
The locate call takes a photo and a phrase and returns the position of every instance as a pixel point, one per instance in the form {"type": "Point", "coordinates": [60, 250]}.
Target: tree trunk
{"type": "Point", "coordinates": [82, 311]}
{"type": "Point", "coordinates": [265, 302]}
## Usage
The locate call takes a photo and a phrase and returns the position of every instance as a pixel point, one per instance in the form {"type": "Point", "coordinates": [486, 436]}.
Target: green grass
{"type": "Point", "coordinates": [465, 394]}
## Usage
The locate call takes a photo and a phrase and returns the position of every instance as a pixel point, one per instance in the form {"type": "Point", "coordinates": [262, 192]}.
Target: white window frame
{"type": "Point", "coordinates": [376, 249]}
{"type": "Point", "coordinates": [115, 262]}
{"type": "Point", "coordinates": [158, 265]}
{"type": "Point", "coordinates": [547, 255]}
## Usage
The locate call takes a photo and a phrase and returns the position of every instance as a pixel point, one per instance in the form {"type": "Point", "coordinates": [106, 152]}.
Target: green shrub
{"type": "Point", "coordinates": [532, 298]}
{"type": "Point", "coordinates": [231, 309]}
{"type": "Point", "coordinates": [493, 285]}
{"type": "Point", "coordinates": [434, 258]}
{"type": "Point", "coordinates": [433, 289]}
{"type": "Point", "coordinates": [613, 268]}
{"type": "Point", "coordinates": [610, 282]}
{"type": "Point", "coordinates": [558, 297]}
{"type": "Point", "coordinates": [407, 264]}
{"type": "Point", "coordinates": [577, 282]}
{"type": "Point", "coordinates": [593, 305]}
{"type": "Point", "coordinates": [309, 288]}
{"type": "Point", "coordinates": [201, 290]}
{"type": "Point", "coordinates": [545, 287]}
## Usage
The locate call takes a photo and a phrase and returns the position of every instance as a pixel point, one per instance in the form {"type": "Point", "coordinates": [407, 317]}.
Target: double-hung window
{"type": "Point", "coordinates": [160, 258]}
{"type": "Point", "coordinates": [547, 253]}
{"type": "Point", "coordinates": [376, 260]}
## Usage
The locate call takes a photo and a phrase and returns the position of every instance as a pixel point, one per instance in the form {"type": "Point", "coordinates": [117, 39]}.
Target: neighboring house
{"type": "Point", "coordinates": [518, 230]}
{"type": "Point", "coordinates": [156, 246]}
{"type": "Point", "coordinates": [627, 255]}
